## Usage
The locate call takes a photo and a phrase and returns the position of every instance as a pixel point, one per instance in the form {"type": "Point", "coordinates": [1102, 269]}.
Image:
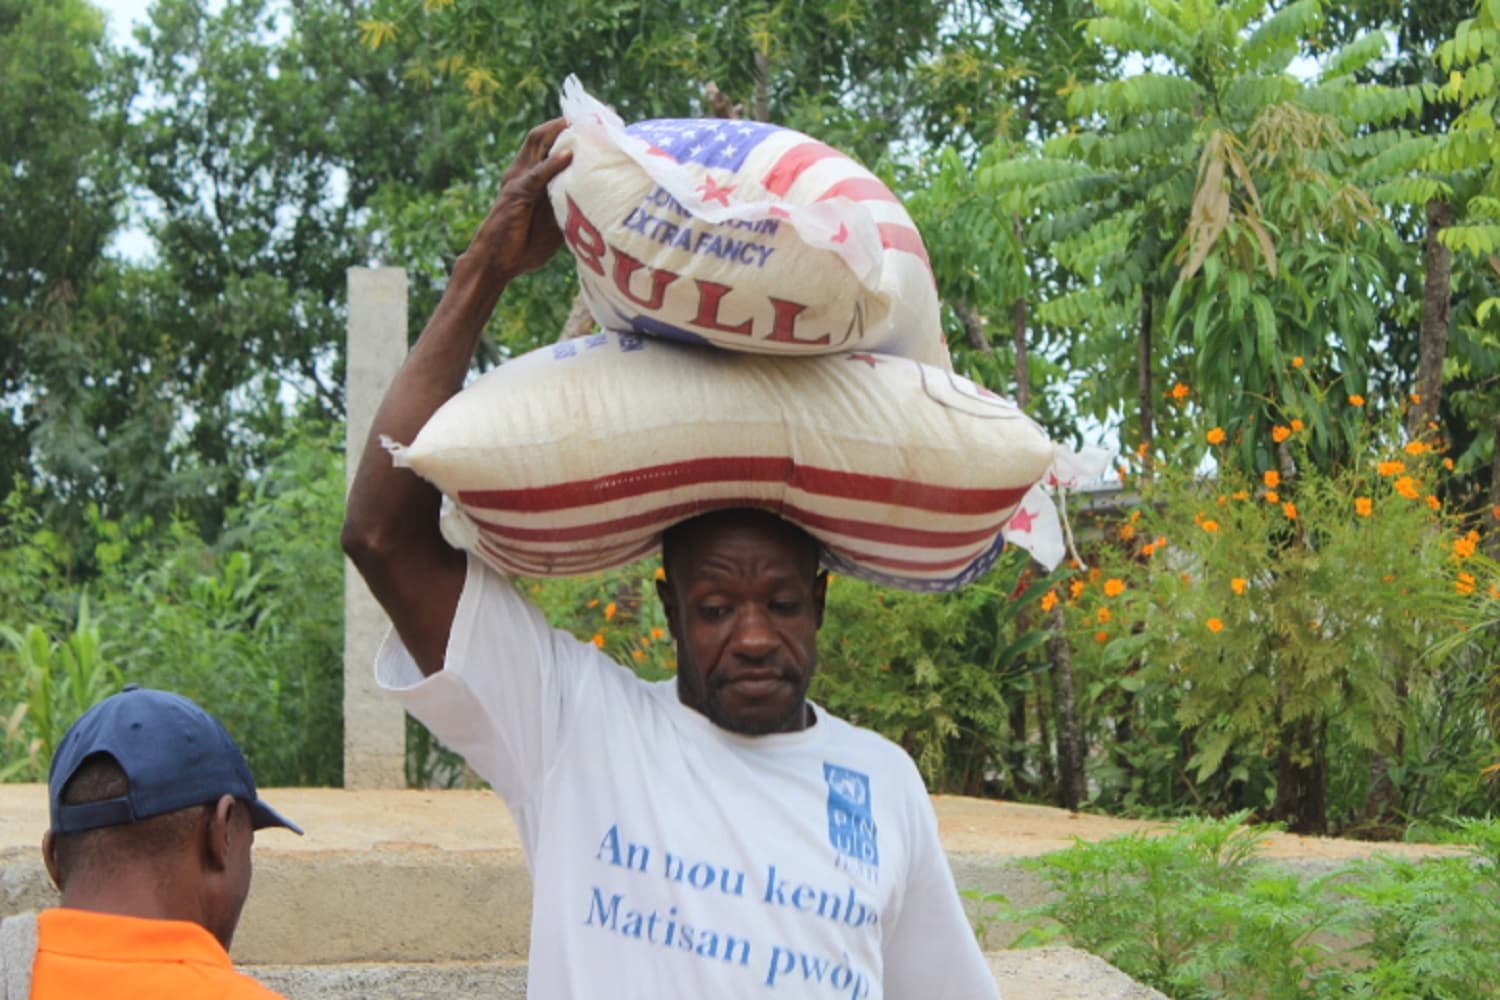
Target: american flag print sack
{"type": "Point", "coordinates": [741, 234]}
{"type": "Point", "coordinates": [574, 458]}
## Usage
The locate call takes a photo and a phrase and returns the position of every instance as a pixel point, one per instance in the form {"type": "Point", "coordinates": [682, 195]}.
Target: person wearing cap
{"type": "Point", "coordinates": [153, 814]}
{"type": "Point", "coordinates": [718, 835]}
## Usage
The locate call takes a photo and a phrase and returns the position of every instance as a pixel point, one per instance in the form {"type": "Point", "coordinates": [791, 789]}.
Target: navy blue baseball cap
{"type": "Point", "coordinates": [174, 754]}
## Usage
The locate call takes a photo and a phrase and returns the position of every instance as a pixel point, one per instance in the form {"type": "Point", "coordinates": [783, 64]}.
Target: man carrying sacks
{"type": "Point", "coordinates": [716, 836]}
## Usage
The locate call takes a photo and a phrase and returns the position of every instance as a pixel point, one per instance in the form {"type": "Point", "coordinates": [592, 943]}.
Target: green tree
{"type": "Point", "coordinates": [1208, 204]}
{"type": "Point", "coordinates": [60, 188]}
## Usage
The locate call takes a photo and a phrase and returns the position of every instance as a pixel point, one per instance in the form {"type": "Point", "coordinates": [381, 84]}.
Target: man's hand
{"type": "Point", "coordinates": [520, 234]}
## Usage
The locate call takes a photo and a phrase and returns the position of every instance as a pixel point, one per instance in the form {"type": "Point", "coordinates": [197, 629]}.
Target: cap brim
{"type": "Point", "coordinates": [262, 816]}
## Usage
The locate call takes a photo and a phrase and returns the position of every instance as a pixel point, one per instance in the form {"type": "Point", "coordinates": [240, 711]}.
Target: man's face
{"type": "Point", "coordinates": [744, 601]}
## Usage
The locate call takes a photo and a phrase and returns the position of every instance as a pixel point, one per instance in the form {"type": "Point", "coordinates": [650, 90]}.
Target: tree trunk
{"type": "Point", "coordinates": [974, 331]}
{"type": "Point", "coordinates": [1492, 537]}
{"type": "Point", "coordinates": [1143, 377]}
{"type": "Point", "coordinates": [1437, 295]}
{"type": "Point", "coordinates": [762, 87]}
{"type": "Point", "coordinates": [1302, 779]}
{"type": "Point", "coordinates": [1070, 785]}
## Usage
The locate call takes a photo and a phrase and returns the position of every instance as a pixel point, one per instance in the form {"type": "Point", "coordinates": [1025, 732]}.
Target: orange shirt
{"type": "Point", "coordinates": [106, 957]}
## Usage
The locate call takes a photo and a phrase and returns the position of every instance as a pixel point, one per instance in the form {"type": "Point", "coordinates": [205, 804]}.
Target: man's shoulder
{"type": "Point", "coordinates": [872, 746]}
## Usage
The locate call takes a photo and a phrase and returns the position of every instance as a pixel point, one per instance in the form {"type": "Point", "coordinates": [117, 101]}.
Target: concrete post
{"type": "Point", "coordinates": [374, 726]}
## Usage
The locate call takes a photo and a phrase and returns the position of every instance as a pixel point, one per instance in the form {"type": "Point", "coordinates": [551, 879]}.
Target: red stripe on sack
{"type": "Point", "coordinates": [671, 513]}
{"type": "Point", "coordinates": [794, 162]}
{"type": "Point", "coordinates": [860, 189]}
{"type": "Point", "coordinates": [705, 471]}
{"type": "Point", "coordinates": [895, 236]}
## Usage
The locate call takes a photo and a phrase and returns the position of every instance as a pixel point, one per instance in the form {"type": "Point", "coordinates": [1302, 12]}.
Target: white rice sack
{"type": "Point", "coordinates": [573, 458]}
{"type": "Point", "coordinates": [748, 236]}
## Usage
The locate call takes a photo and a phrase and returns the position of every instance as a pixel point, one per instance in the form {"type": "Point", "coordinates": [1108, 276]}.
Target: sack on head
{"type": "Point", "coordinates": [575, 457]}
{"type": "Point", "coordinates": [745, 235]}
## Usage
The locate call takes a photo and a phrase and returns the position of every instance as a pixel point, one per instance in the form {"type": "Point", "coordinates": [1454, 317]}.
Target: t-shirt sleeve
{"type": "Point", "coordinates": [930, 949]}
{"type": "Point", "coordinates": [508, 681]}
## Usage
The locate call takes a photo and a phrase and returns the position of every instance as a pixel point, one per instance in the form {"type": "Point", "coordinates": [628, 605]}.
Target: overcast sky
{"type": "Point", "coordinates": [122, 15]}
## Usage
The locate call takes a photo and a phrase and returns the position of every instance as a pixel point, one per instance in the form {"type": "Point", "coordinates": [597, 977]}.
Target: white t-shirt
{"type": "Point", "coordinates": [672, 858]}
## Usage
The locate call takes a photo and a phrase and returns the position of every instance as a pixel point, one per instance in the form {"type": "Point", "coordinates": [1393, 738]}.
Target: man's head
{"type": "Point", "coordinates": [154, 812]}
{"type": "Point", "coordinates": [744, 599]}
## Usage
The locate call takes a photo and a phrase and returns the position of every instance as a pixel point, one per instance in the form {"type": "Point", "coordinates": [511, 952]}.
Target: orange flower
{"type": "Point", "coordinates": [1407, 487]}
{"type": "Point", "coordinates": [1238, 584]}
{"type": "Point", "coordinates": [1448, 464]}
{"type": "Point", "coordinates": [1416, 398]}
{"type": "Point", "coordinates": [1114, 587]}
{"type": "Point", "coordinates": [1127, 532]}
{"type": "Point", "coordinates": [1216, 436]}
{"type": "Point", "coordinates": [1272, 478]}
{"type": "Point", "coordinates": [1272, 496]}
{"type": "Point", "coordinates": [661, 572]}
{"type": "Point", "coordinates": [1101, 636]}
{"type": "Point", "coordinates": [1210, 526]}
{"type": "Point", "coordinates": [1356, 400]}
{"type": "Point", "coordinates": [1495, 512]}
{"type": "Point", "coordinates": [1464, 548]}
{"type": "Point", "coordinates": [1181, 392]}
{"type": "Point", "coordinates": [1105, 616]}
{"type": "Point", "coordinates": [1241, 494]}
{"type": "Point", "coordinates": [1141, 450]}
{"type": "Point", "coordinates": [594, 603]}
{"type": "Point", "coordinates": [1290, 510]}
{"type": "Point", "coordinates": [1364, 506]}
{"type": "Point", "coordinates": [1465, 583]}
{"type": "Point", "coordinates": [1215, 624]}
{"type": "Point", "coordinates": [1161, 541]}
{"type": "Point", "coordinates": [598, 639]}
{"type": "Point", "coordinates": [1049, 600]}
{"type": "Point", "coordinates": [1149, 549]}
{"type": "Point", "coordinates": [1417, 448]}
{"type": "Point", "coordinates": [1392, 468]}
{"type": "Point", "coordinates": [1434, 502]}
{"type": "Point", "coordinates": [1297, 426]}
{"type": "Point", "coordinates": [658, 634]}
{"type": "Point", "coordinates": [637, 655]}
{"type": "Point", "coordinates": [1076, 587]}
{"type": "Point", "coordinates": [609, 611]}
{"type": "Point", "coordinates": [1280, 433]}
{"type": "Point", "coordinates": [1297, 361]}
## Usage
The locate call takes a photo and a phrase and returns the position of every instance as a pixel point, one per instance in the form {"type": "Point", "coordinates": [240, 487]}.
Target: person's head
{"type": "Point", "coordinates": [153, 813]}
{"type": "Point", "coordinates": [744, 600]}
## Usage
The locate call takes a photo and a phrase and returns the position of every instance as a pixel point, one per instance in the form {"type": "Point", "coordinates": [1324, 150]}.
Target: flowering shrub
{"type": "Point", "coordinates": [1283, 619]}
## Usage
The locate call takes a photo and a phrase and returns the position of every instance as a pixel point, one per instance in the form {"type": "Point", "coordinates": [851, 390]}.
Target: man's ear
{"type": "Point", "coordinates": [219, 832]}
{"type": "Point", "coordinates": [49, 858]}
{"type": "Point", "coordinates": [820, 595]}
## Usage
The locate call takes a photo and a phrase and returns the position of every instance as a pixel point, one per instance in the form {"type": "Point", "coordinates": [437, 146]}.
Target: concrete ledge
{"type": "Point", "coordinates": [1054, 973]}
{"type": "Point", "coordinates": [381, 875]}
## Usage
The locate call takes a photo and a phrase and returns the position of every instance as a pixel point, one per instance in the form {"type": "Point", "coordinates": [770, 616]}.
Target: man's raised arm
{"type": "Point", "coordinates": [391, 524]}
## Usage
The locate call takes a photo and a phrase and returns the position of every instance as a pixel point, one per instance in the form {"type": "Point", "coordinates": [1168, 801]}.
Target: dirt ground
{"type": "Point", "coordinates": [396, 821]}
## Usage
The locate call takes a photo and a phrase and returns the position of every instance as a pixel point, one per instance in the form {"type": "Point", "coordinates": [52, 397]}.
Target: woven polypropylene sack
{"type": "Point", "coordinates": [745, 235]}
{"type": "Point", "coordinates": [575, 457]}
